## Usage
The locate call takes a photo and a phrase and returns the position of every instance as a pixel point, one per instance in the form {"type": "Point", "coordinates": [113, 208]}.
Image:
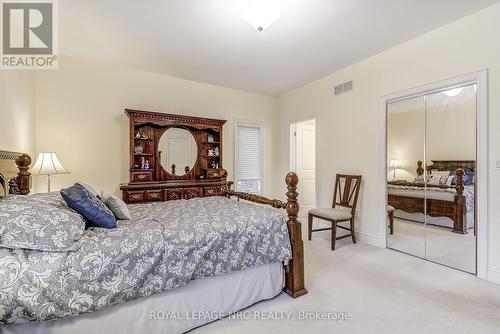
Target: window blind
{"type": "Point", "coordinates": [249, 161]}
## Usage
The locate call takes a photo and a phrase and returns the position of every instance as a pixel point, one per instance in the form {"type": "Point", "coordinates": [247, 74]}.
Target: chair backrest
{"type": "Point", "coordinates": [346, 191]}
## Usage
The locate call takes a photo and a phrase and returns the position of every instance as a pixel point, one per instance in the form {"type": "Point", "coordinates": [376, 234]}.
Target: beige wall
{"type": "Point", "coordinates": [405, 142]}
{"type": "Point", "coordinates": [17, 115]}
{"type": "Point", "coordinates": [349, 128]}
{"type": "Point", "coordinates": [80, 116]}
{"type": "Point", "coordinates": [17, 110]}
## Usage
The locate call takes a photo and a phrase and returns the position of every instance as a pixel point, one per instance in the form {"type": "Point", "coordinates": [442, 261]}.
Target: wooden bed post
{"type": "Point", "coordinates": [21, 184]}
{"type": "Point", "coordinates": [420, 170]}
{"type": "Point", "coordinates": [459, 223]}
{"type": "Point", "coordinates": [294, 276]}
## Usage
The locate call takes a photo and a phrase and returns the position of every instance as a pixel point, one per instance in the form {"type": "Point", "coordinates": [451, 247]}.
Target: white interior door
{"type": "Point", "coordinates": [305, 164]}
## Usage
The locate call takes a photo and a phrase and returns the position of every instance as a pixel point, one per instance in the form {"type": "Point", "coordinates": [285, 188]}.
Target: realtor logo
{"type": "Point", "coordinates": [28, 35]}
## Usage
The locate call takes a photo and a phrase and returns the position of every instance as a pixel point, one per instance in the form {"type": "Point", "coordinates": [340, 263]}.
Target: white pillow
{"type": "Point", "coordinates": [117, 206]}
{"type": "Point", "coordinates": [438, 177]}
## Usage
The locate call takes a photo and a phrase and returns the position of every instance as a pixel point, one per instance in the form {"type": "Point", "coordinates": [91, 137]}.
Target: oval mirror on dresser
{"type": "Point", "coordinates": [178, 151]}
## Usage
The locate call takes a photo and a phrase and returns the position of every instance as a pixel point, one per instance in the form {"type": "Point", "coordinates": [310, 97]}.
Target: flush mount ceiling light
{"type": "Point", "coordinates": [454, 92]}
{"type": "Point", "coordinates": [260, 14]}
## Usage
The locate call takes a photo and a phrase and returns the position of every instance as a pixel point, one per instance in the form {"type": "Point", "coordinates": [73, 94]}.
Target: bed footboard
{"type": "Point", "coordinates": [294, 274]}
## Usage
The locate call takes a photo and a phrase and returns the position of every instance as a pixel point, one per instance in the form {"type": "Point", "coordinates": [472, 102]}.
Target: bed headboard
{"type": "Point", "coordinates": [21, 184]}
{"type": "Point", "coordinates": [442, 165]}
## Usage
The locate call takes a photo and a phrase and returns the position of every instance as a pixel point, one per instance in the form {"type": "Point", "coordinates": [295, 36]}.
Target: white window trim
{"type": "Point", "coordinates": [238, 123]}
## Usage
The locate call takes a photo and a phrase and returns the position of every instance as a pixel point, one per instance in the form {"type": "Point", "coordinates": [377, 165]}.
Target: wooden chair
{"type": "Point", "coordinates": [343, 208]}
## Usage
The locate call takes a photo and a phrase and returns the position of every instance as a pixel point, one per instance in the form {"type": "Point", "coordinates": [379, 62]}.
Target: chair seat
{"type": "Point", "coordinates": [331, 213]}
{"type": "Point", "coordinates": [390, 208]}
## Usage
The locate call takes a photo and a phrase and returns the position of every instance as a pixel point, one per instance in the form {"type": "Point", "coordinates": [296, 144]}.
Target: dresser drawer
{"type": "Point", "coordinates": [212, 191]}
{"type": "Point", "coordinates": [173, 194]}
{"type": "Point", "coordinates": [154, 195]}
{"type": "Point", "coordinates": [189, 193]}
{"type": "Point", "coordinates": [134, 196]}
{"type": "Point", "coordinates": [141, 176]}
{"type": "Point", "coordinates": [215, 173]}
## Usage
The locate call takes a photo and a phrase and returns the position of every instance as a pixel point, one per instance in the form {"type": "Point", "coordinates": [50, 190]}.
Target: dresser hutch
{"type": "Point", "coordinates": [174, 157]}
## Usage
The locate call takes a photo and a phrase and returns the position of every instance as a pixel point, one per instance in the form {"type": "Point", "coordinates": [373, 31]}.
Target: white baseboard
{"type": "Point", "coordinates": [494, 276]}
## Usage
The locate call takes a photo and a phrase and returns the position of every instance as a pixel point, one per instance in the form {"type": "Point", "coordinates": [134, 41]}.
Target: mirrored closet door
{"type": "Point", "coordinates": [431, 153]}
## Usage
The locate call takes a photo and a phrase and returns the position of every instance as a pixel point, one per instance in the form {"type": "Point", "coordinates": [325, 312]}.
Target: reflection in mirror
{"type": "Point", "coordinates": [178, 151]}
{"type": "Point", "coordinates": [405, 147]}
{"type": "Point", "coordinates": [431, 166]}
{"type": "Point", "coordinates": [450, 145]}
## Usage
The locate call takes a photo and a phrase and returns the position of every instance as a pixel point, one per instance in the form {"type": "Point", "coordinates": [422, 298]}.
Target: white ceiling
{"type": "Point", "coordinates": [208, 41]}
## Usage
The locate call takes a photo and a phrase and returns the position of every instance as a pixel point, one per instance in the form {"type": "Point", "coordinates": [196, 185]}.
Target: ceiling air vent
{"type": "Point", "coordinates": [342, 88]}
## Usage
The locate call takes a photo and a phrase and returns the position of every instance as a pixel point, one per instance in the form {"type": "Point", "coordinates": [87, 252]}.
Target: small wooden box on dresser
{"type": "Point", "coordinates": [174, 157]}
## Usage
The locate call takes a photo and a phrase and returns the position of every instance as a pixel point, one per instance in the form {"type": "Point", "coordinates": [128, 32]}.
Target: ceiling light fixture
{"type": "Point", "coordinates": [454, 92]}
{"type": "Point", "coordinates": [260, 14]}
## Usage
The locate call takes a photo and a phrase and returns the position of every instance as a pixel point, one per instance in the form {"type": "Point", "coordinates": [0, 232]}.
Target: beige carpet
{"type": "Point", "coordinates": [385, 291]}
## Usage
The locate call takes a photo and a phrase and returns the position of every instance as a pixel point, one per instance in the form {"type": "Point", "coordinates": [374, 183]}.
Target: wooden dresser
{"type": "Point", "coordinates": [174, 157]}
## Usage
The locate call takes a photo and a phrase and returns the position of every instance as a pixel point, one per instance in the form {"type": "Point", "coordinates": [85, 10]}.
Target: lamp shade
{"type": "Point", "coordinates": [48, 164]}
{"type": "Point", "coordinates": [395, 163]}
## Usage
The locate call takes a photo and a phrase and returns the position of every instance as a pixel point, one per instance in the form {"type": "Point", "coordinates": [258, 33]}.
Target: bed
{"type": "Point", "coordinates": [454, 202]}
{"type": "Point", "coordinates": [210, 255]}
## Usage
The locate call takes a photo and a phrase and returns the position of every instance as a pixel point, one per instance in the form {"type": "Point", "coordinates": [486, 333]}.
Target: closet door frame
{"type": "Point", "coordinates": [479, 78]}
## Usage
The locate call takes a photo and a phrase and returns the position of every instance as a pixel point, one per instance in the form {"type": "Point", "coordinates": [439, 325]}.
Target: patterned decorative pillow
{"type": "Point", "coordinates": [117, 206]}
{"type": "Point", "coordinates": [443, 180]}
{"type": "Point", "coordinates": [39, 222]}
{"type": "Point", "coordinates": [89, 206]}
{"type": "Point", "coordinates": [437, 177]}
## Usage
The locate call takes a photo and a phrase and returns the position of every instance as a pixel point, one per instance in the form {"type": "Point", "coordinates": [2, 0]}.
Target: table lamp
{"type": "Point", "coordinates": [48, 164]}
{"type": "Point", "coordinates": [394, 165]}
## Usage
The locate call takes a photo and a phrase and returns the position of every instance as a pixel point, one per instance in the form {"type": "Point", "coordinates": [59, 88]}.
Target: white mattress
{"type": "Point", "coordinates": [201, 302]}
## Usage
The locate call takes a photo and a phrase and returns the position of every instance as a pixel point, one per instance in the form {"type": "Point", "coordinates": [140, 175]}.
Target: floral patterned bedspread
{"type": "Point", "coordinates": [165, 246]}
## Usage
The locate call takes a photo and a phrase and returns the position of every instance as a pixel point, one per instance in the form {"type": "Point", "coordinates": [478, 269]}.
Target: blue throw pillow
{"type": "Point", "coordinates": [89, 206]}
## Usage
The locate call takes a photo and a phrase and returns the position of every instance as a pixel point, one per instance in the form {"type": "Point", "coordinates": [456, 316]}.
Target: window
{"type": "Point", "coordinates": [248, 157]}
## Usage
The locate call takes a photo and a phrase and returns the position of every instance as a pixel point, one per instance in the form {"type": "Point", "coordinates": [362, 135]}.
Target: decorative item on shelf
{"type": "Point", "coordinates": [138, 135]}
{"type": "Point", "coordinates": [143, 162]}
{"type": "Point", "coordinates": [139, 149]}
{"type": "Point", "coordinates": [137, 166]}
{"type": "Point", "coordinates": [201, 177]}
{"type": "Point", "coordinates": [217, 165]}
{"type": "Point", "coordinates": [216, 151]}
{"type": "Point", "coordinates": [186, 169]}
{"type": "Point", "coordinates": [214, 165]}
{"type": "Point", "coordinates": [48, 164]}
{"type": "Point", "coordinates": [211, 153]}
{"type": "Point", "coordinates": [144, 135]}
{"type": "Point", "coordinates": [146, 164]}
{"type": "Point", "coordinates": [211, 138]}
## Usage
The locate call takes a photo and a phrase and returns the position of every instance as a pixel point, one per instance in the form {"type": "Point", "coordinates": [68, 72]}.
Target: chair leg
{"type": "Point", "coordinates": [391, 222]}
{"type": "Point", "coordinates": [353, 232]}
{"type": "Point", "coordinates": [309, 227]}
{"type": "Point", "coordinates": [334, 234]}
